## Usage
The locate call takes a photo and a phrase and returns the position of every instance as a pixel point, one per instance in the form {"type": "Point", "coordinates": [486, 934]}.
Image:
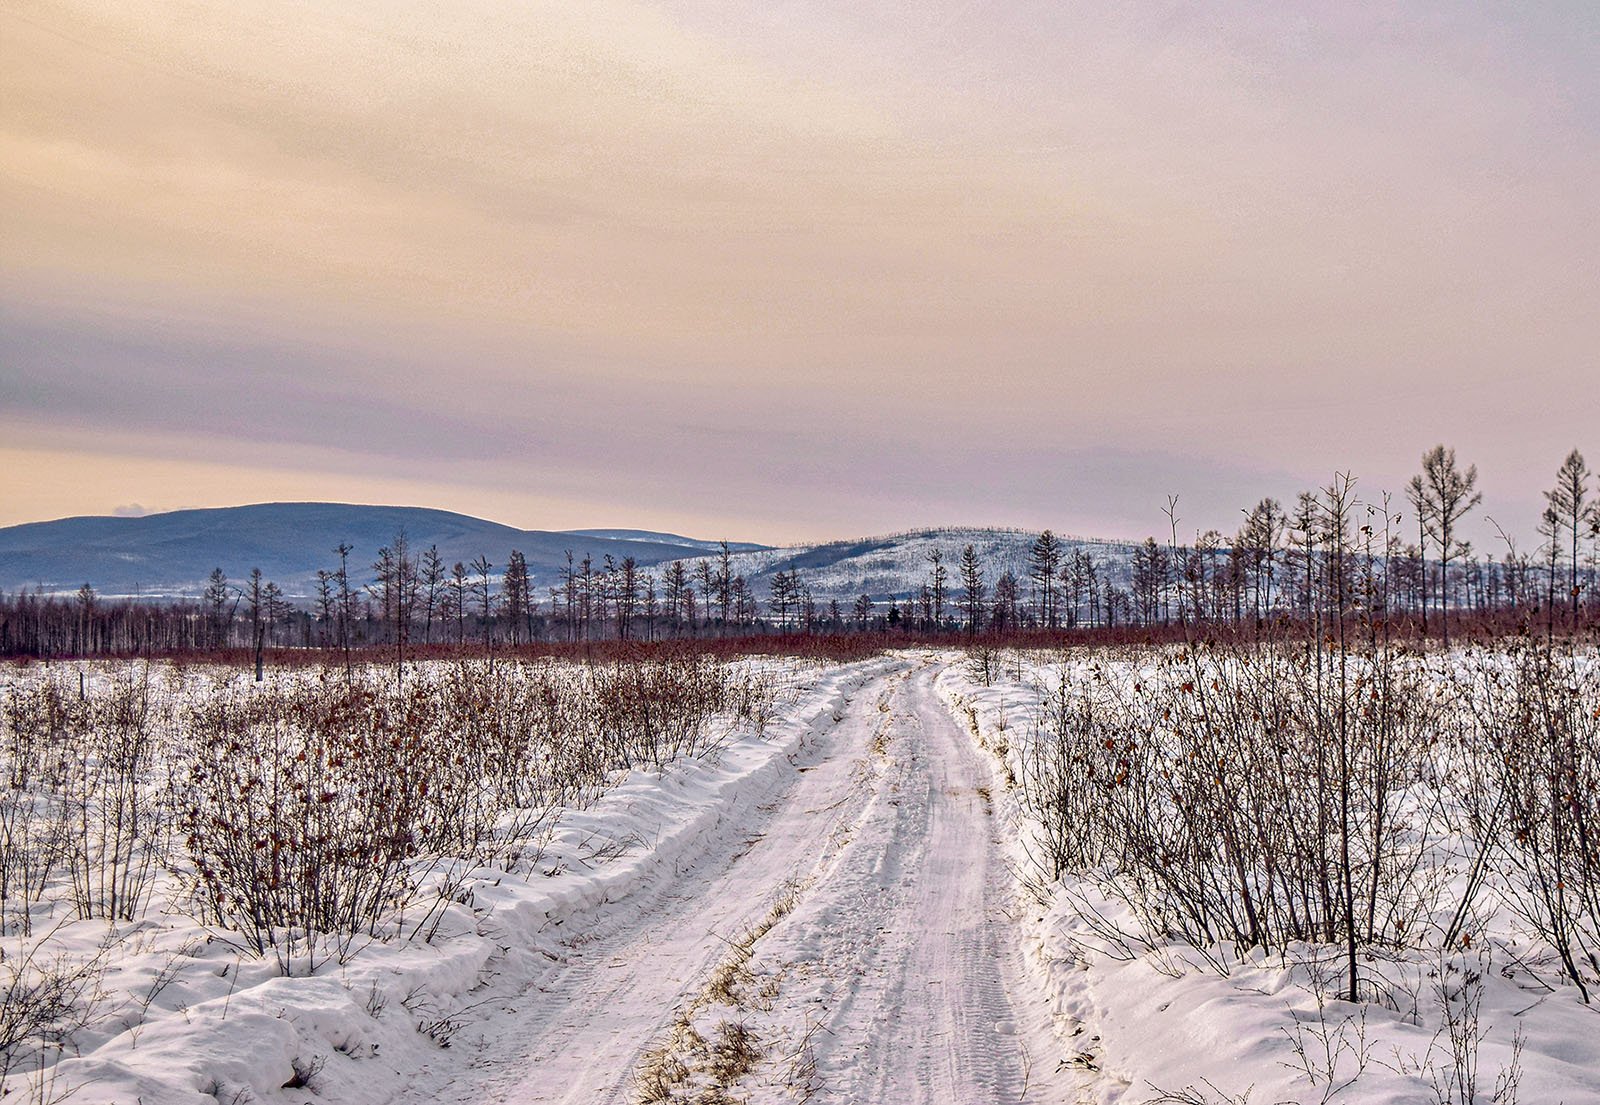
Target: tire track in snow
{"type": "Point", "coordinates": [897, 976]}
{"type": "Point", "coordinates": [902, 969]}
{"type": "Point", "coordinates": [576, 1035]}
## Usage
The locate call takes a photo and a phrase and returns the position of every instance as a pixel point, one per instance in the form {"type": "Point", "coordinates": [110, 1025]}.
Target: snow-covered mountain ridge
{"type": "Point", "coordinates": [170, 555]}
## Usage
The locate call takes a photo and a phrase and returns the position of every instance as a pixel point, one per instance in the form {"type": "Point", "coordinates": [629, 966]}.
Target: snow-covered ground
{"type": "Point", "coordinates": [1168, 1023]}
{"type": "Point", "coordinates": [831, 909]}
{"type": "Point", "coordinates": [176, 1011]}
{"type": "Point", "coordinates": [841, 934]}
{"type": "Point", "coordinates": [821, 910]}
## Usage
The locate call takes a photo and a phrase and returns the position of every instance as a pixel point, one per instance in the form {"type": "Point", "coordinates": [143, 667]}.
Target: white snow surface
{"type": "Point", "coordinates": [857, 862]}
{"type": "Point", "coordinates": [895, 977]}
{"type": "Point", "coordinates": [1166, 1026]}
{"type": "Point", "coordinates": [895, 973]}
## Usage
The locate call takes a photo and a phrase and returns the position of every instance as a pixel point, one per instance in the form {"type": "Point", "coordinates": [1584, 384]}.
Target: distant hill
{"type": "Point", "coordinates": [666, 539]}
{"type": "Point", "coordinates": [172, 554]}
{"type": "Point", "coordinates": [896, 565]}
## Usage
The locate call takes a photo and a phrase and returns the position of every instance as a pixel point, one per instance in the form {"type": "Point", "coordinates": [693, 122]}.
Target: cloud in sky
{"type": "Point", "coordinates": [793, 269]}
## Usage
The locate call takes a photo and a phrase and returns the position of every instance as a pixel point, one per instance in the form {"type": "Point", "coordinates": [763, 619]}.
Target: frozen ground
{"type": "Point", "coordinates": [834, 889]}
{"type": "Point", "coordinates": [892, 975]}
{"type": "Point", "coordinates": [1165, 1025]}
{"type": "Point", "coordinates": [825, 911]}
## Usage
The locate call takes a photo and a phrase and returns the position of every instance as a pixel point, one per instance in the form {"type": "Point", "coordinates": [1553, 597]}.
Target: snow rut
{"type": "Point", "coordinates": [903, 954]}
{"type": "Point", "coordinates": [850, 938]}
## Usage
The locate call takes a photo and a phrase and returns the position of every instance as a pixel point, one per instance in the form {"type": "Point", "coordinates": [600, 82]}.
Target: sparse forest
{"type": "Point", "coordinates": [1417, 575]}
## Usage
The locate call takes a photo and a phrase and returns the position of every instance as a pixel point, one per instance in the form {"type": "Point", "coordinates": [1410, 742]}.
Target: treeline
{"type": "Point", "coordinates": [1407, 558]}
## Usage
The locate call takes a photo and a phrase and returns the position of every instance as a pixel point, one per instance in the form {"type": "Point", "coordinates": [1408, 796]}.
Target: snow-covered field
{"type": "Point", "coordinates": [160, 1005]}
{"type": "Point", "coordinates": [1149, 1017]}
{"type": "Point", "coordinates": [813, 908]}
{"type": "Point", "coordinates": [832, 893]}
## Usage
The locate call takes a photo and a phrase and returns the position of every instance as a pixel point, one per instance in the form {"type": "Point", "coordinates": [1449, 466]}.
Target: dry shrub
{"type": "Point", "coordinates": [1530, 783]}
{"type": "Point", "coordinates": [317, 810]}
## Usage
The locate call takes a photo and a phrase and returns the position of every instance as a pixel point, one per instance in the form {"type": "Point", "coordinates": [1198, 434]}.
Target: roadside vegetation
{"type": "Point", "coordinates": [1401, 823]}
{"type": "Point", "coordinates": [300, 819]}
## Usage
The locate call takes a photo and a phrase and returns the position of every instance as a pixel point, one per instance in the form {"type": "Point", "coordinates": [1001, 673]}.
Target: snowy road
{"type": "Point", "coordinates": [888, 973]}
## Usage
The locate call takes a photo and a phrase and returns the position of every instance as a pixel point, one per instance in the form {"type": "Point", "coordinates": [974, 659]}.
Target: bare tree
{"type": "Point", "coordinates": [256, 599]}
{"type": "Point", "coordinates": [1150, 570]}
{"type": "Point", "coordinates": [347, 602]}
{"type": "Point", "coordinates": [481, 589]}
{"type": "Point", "coordinates": [1569, 501]}
{"type": "Point", "coordinates": [218, 614]}
{"type": "Point", "coordinates": [1305, 523]}
{"type": "Point", "coordinates": [676, 585]}
{"type": "Point", "coordinates": [278, 609]}
{"type": "Point", "coordinates": [385, 587]}
{"type": "Point", "coordinates": [569, 591]}
{"type": "Point", "coordinates": [651, 605]}
{"type": "Point", "coordinates": [586, 594]}
{"type": "Point", "coordinates": [406, 587]}
{"type": "Point", "coordinates": [724, 578]}
{"type": "Point", "coordinates": [938, 579]}
{"type": "Point", "coordinates": [625, 595]}
{"type": "Point", "coordinates": [708, 583]}
{"type": "Point", "coordinates": [1044, 559]}
{"type": "Point", "coordinates": [1259, 539]}
{"type": "Point", "coordinates": [690, 609]}
{"type": "Point", "coordinates": [1003, 613]}
{"type": "Point", "coordinates": [743, 600]}
{"type": "Point", "coordinates": [1077, 583]}
{"type": "Point", "coordinates": [514, 594]}
{"type": "Point", "coordinates": [972, 589]}
{"type": "Point", "coordinates": [1443, 495]}
{"type": "Point", "coordinates": [459, 590]}
{"type": "Point", "coordinates": [1550, 530]}
{"type": "Point", "coordinates": [786, 595]}
{"type": "Point", "coordinates": [432, 581]}
{"type": "Point", "coordinates": [325, 602]}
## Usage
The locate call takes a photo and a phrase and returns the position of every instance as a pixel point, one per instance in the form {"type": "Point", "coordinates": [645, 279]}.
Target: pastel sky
{"type": "Point", "coordinates": [793, 269]}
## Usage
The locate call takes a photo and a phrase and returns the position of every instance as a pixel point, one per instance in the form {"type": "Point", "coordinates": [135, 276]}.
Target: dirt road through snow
{"type": "Point", "coordinates": [888, 971]}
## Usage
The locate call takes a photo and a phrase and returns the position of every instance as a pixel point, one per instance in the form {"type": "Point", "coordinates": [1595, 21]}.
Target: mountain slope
{"type": "Point", "coordinates": [666, 539]}
{"type": "Point", "coordinates": [171, 554]}
{"type": "Point", "coordinates": [896, 565]}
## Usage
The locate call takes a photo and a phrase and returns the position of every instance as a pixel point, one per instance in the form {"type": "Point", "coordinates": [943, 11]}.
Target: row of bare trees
{"type": "Point", "coordinates": [1431, 576]}
{"type": "Point", "coordinates": [1268, 568]}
